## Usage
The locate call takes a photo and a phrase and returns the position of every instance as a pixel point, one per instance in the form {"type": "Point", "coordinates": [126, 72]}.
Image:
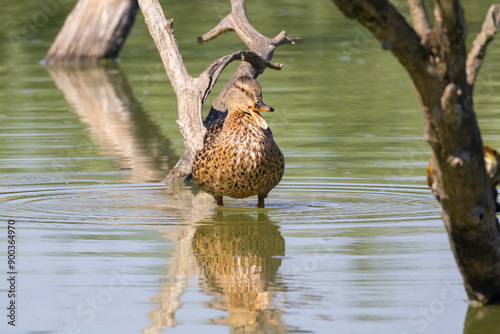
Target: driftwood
{"type": "Point", "coordinates": [443, 75]}
{"type": "Point", "coordinates": [192, 92]}
{"type": "Point", "coordinates": [94, 30]}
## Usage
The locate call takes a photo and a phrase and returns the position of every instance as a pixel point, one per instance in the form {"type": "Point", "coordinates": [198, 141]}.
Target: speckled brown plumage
{"type": "Point", "coordinates": [239, 157]}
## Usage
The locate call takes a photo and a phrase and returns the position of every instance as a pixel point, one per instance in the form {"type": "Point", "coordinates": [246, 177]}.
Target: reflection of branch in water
{"type": "Point", "coordinates": [103, 99]}
{"type": "Point", "coordinates": [182, 265]}
{"type": "Point", "coordinates": [237, 257]}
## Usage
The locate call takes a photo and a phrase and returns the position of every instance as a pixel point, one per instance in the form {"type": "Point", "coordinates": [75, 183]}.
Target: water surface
{"type": "Point", "coordinates": [350, 241]}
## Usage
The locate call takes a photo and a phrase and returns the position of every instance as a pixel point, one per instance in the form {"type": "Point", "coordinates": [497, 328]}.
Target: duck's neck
{"type": "Point", "coordinates": [239, 120]}
{"type": "Point", "coordinates": [239, 116]}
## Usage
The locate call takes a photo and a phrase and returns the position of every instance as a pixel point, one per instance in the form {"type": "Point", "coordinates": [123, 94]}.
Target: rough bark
{"type": "Point", "coordinates": [435, 59]}
{"type": "Point", "coordinates": [94, 30]}
{"type": "Point", "coordinates": [192, 92]}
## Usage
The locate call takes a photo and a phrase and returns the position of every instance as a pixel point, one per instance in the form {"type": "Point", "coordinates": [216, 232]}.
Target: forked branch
{"type": "Point", "coordinates": [209, 77]}
{"type": "Point", "coordinates": [192, 92]}
{"type": "Point", "coordinates": [238, 22]}
{"type": "Point", "coordinates": [438, 71]}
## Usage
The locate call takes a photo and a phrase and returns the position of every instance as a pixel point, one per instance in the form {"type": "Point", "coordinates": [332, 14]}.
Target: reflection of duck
{"type": "Point", "coordinates": [239, 156]}
{"type": "Point", "coordinates": [239, 257]}
{"type": "Point", "coordinates": [491, 160]}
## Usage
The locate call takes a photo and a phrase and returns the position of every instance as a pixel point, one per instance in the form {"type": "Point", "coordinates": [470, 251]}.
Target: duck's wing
{"type": "Point", "coordinates": [213, 133]}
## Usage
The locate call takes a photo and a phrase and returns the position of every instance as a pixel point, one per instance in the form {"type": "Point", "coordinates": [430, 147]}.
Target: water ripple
{"type": "Point", "coordinates": [294, 200]}
{"type": "Point", "coordinates": [114, 203]}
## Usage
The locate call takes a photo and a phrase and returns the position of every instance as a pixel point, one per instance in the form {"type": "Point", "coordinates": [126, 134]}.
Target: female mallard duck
{"type": "Point", "coordinates": [239, 156]}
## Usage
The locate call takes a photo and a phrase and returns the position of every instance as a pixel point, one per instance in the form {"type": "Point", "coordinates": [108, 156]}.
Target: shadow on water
{"type": "Point", "coordinates": [103, 99]}
{"type": "Point", "coordinates": [236, 257]}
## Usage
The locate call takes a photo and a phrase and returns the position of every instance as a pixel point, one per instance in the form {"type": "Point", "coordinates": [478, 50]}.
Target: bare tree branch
{"type": "Point", "coordinates": [477, 53]}
{"type": "Point", "coordinates": [237, 21]}
{"type": "Point", "coordinates": [451, 31]}
{"type": "Point", "coordinates": [420, 18]}
{"type": "Point", "coordinates": [189, 96]}
{"type": "Point", "coordinates": [162, 31]}
{"type": "Point", "coordinates": [460, 179]}
{"type": "Point", "coordinates": [282, 38]}
{"type": "Point", "coordinates": [224, 26]}
{"type": "Point", "coordinates": [247, 33]}
{"type": "Point", "coordinates": [192, 92]}
{"type": "Point", "coordinates": [211, 74]}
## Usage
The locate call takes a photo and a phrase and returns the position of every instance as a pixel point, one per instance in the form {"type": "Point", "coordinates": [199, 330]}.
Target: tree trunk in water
{"type": "Point", "coordinates": [94, 30]}
{"type": "Point", "coordinates": [443, 76]}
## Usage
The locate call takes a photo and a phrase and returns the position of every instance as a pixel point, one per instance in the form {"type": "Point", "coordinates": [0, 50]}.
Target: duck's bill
{"type": "Point", "coordinates": [261, 106]}
{"type": "Point", "coordinates": [257, 107]}
{"type": "Point", "coordinates": [258, 118]}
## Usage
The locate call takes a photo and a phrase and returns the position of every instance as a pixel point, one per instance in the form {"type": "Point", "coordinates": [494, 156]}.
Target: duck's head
{"type": "Point", "coordinates": [246, 96]}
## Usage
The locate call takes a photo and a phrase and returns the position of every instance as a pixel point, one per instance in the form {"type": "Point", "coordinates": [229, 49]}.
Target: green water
{"type": "Point", "coordinates": [350, 242]}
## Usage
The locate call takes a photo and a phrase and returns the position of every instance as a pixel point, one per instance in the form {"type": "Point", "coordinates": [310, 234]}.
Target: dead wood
{"type": "Point", "coordinates": [435, 58]}
{"type": "Point", "coordinates": [94, 30]}
{"type": "Point", "coordinates": [237, 21]}
{"type": "Point", "coordinates": [192, 92]}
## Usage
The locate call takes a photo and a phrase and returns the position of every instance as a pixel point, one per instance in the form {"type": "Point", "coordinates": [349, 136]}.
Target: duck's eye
{"type": "Point", "coordinates": [243, 90]}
